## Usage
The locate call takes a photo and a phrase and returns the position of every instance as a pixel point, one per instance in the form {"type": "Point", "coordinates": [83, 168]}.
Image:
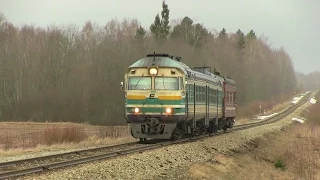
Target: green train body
{"type": "Point", "coordinates": [165, 99]}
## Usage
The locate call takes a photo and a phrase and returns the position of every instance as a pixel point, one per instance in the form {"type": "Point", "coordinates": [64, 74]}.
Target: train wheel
{"type": "Point", "coordinates": [142, 139]}
{"type": "Point", "coordinates": [224, 129]}
{"type": "Point", "coordinates": [176, 134]}
{"type": "Point", "coordinates": [213, 129]}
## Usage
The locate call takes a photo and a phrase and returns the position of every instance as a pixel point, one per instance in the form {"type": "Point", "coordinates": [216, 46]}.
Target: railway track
{"type": "Point", "coordinates": [17, 168]}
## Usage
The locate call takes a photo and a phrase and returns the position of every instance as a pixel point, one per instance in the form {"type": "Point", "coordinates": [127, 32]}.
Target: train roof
{"type": "Point", "coordinates": [164, 60]}
{"type": "Point", "coordinates": [229, 80]}
{"type": "Point", "coordinates": [167, 60]}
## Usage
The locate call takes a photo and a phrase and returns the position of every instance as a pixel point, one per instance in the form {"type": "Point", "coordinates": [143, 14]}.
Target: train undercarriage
{"type": "Point", "coordinates": [154, 129]}
{"type": "Point", "coordinates": [186, 130]}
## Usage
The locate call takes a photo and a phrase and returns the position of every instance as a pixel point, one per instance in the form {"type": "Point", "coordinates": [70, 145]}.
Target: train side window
{"type": "Point", "coordinates": [203, 94]}
{"type": "Point", "coordinates": [181, 83]}
{"type": "Point", "coordinates": [197, 93]}
{"type": "Point", "coordinates": [209, 95]}
{"type": "Point", "coordinates": [191, 92]}
{"type": "Point", "coordinates": [202, 98]}
{"type": "Point", "coordinates": [200, 94]}
{"type": "Point", "coordinates": [218, 97]}
{"type": "Point", "coordinates": [215, 96]}
{"type": "Point", "coordinates": [221, 96]}
{"type": "Point", "coordinates": [212, 96]}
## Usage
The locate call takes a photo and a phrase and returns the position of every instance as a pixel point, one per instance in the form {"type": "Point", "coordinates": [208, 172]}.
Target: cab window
{"type": "Point", "coordinates": [139, 83]}
{"type": "Point", "coordinates": [166, 83]}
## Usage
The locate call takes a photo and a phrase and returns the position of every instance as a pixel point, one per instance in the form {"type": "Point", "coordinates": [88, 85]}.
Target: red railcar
{"type": "Point", "coordinates": [229, 100]}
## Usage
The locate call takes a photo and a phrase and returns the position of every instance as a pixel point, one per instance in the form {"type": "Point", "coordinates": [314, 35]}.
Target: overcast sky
{"type": "Point", "coordinates": [293, 24]}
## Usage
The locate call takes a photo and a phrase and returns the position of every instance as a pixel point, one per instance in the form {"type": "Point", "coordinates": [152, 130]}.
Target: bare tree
{"type": "Point", "coordinates": [69, 73]}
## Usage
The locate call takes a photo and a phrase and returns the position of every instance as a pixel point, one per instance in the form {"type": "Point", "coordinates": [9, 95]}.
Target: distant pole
{"type": "Point", "coordinates": [259, 110]}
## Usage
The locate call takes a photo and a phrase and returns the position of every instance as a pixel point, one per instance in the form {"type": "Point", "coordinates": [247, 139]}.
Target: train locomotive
{"type": "Point", "coordinates": [166, 99]}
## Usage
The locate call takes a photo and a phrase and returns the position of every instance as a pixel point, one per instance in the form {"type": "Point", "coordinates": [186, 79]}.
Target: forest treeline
{"type": "Point", "coordinates": [310, 81]}
{"type": "Point", "coordinates": [70, 73]}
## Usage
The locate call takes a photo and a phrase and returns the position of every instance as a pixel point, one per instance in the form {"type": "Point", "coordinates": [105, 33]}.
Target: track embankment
{"type": "Point", "coordinates": [169, 162]}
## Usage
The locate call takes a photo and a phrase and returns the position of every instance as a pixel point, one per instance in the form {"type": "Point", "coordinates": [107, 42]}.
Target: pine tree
{"type": "Point", "coordinates": [156, 27]}
{"type": "Point", "coordinates": [160, 28]}
{"type": "Point", "coordinates": [165, 20]}
{"type": "Point", "coordinates": [140, 33]}
{"type": "Point", "coordinates": [241, 39]}
{"type": "Point", "coordinates": [251, 35]}
{"type": "Point", "coordinates": [194, 34]}
{"type": "Point", "coordinates": [183, 30]}
{"type": "Point", "coordinates": [223, 33]}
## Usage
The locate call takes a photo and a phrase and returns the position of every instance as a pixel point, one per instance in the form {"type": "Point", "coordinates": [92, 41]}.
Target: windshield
{"type": "Point", "coordinates": [139, 83]}
{"type": "Point", "coordinates": [166, 83]}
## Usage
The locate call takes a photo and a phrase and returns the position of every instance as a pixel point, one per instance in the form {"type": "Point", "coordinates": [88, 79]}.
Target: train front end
{"type": "Point", "coordinates": [154, 101]}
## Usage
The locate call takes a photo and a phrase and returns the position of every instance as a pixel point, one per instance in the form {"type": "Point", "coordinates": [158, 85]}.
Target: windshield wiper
{"type": "Point", "coordinates": [164, 87]}
{"type": "Point", "coordinates": [138, 82]}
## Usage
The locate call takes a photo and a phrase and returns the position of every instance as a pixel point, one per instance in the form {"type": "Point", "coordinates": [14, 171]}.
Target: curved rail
{"type": "Point", "coordinates": [126, 146]}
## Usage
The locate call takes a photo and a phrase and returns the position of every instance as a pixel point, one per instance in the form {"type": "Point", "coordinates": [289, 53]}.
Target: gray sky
{"type": "Point", "coordinates": [292, 24]}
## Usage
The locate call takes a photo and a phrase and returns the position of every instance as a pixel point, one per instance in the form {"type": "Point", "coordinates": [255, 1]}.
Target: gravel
{"type": "Point", "coordinates": [170, 162]}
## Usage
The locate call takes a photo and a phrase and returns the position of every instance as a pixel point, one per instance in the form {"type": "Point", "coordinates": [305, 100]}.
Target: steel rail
{"type": "Point", "coordinates": [144, 147]}
{"type": "Point", "coordinates": [76, 152]}
{"type": "Point", "coordinates": [8, 163]}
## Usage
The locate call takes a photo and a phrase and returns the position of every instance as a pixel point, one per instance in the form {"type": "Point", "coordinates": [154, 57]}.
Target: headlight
{"type": "Point", "coordinates": [168, 110]}
{"type": "Point", "coordinates": [136, 110]}
{"type": "Point", "coordinates": [153, 71]}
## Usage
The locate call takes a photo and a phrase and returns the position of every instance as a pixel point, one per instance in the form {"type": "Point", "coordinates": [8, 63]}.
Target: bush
{"type": "Point", "coordinates": [67, 134]}
{"type": "Point", "coordinates": [280, 164]}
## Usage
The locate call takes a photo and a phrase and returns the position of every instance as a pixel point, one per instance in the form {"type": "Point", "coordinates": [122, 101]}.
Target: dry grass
{"type": "Point", "coordinates": [253, 110]}
{"type": "Point", "coordinates": [303, 154]}
{"type": "Point", "coordinates": [292, 153]}
{"type": "Point", "coordinates": [312, 113]}
{"type": "Point", "coordinates": [54, 135]}
{"type": "Point", "coordinates": [26, 135]}
{"type": "Point", "coordinates": [256, 160]}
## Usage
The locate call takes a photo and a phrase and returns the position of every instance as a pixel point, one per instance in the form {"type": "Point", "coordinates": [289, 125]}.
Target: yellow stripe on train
{"type": "Point", "coordinates": [135, 97]}
{"type": "Point", "coordinates": [169, 97]}
{"type": "Point", "coordinates": [159, 97]}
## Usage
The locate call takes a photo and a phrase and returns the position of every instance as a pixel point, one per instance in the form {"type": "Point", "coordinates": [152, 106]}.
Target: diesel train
{"type": "Point", "coordinates": [166, 99]}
